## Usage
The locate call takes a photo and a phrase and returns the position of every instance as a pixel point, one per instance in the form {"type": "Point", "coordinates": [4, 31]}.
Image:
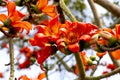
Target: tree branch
{"type": "Point", "coordinates": [114, 9]}
{"type": "Point", "coordinates": [67, 11]}
{"type": "Point", "coordinates": [95, 13]}
{"type": "Point", "coordinates": [64, 64]}
{"type": "Point", "coordinates": [80, 66]}
{"type": "Point", "coordinates": [104, 75]}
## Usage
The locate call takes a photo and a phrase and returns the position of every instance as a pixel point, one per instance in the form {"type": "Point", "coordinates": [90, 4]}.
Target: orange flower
{"type": "Point", "coordinates": [84, 57]}
{"type": "Point", "coordinates": [24, 77]}
{"type": "Point", "coordinates": [14, 18]}
{"type": "Point", "coordinates": [1, 75]}
{"type": "Point", "coordinates": [41, 76]}
{"type": "Point", "coordinates": [100, 54]}
{"type": "Point", "coordinates": [48, 33]}
{"type": "Point", "coordinates": [116, 54]}
{"type": "Point", "coordinates": [45, 8]}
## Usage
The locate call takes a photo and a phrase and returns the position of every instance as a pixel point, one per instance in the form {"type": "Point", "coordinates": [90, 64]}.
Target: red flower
{"type": "Point", "coordinates": [105, 72]}
{"type": "Point", "coordinates": [25, 64]}
{"type": "Point", "coordinates": [14, 18]}
{"type": "Point", "coordinates": [111, 66]}
{"type": "Point", "coordinates": [26, 51]}
{"type": "Point", "coordinates": [73, 33]}
{"type": "Point", "coordinates": [44, 53]}
{"type": "Point", "coordinates": [117, 29]}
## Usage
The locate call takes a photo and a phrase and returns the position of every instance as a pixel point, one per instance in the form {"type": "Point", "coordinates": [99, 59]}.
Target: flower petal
{"type": "Point", "coordinates": [25, 25]}
{"type": "Point", "coordinates": [50, 10]}
{"type": "Point", "coordinates": [116, 54]}
{"type": "Point", "coordinates": [11, 8]}
{"type": "Point", "coordinates": [21, 15]}
{"type": "Point", "coordinates": [3, 17]}
{"type": "Point", "coordinates": [42, 4]}
{"type": "Point", "coordinates": [41, 76]}
{"type": "Point", "coordinates": [74, 47]}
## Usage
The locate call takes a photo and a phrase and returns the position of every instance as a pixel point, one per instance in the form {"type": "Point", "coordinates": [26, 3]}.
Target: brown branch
{"type": "Point", "coordinates": [11, 50]}
{"type": "Point", "coordinates": [5, 33]}
{"type": "Point", "coordinates": [108, 49]}
{"type": "Point", "coordinates": [80, 66]}
{"type": "Point", "coordinates": [114, 9]}
{"type": "Point", "coordinates": [104, 75]}
{"type": "Point", "coordinates": [95, 13]}
{"type": "Point", "coordinates": [59, 10]}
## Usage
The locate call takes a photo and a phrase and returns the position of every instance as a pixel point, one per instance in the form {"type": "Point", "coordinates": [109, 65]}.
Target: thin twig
{"type": "Point", "coordinates": [11, 50]}
{"type": "Point", "coordinates": [104, 75]}
{"type": "Point", "coordinates": [64, 64]}
{"type": "Point", "coordinates": [92, 73]}
{"type": "Point", "coordinates": [59, 60]}
{"type": "Point", "coordinates": [95, 13]}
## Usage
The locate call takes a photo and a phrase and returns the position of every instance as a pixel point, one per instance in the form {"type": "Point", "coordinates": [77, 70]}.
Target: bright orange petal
{"type": "Point", "coordinates": [50, 10]}
{"type": "Point", "coordinates": [15, 17]}
{"type": "Point", "coordinates": [42, 4]}
{"type": "Point", "coordinates": [100, 54]}
{"type": "Point", "coordinates": [25, 25]}
{"type": "Point", "coordinates": [116, 54]}
{"type": "Point", "coordinates": [41, 76]}
{"type": "Point", "coordinates": [11, 6]}
{"type": "Point", "coordinates": [3, 17]}
{"type": "Point", "coordinates": [84, 57]}
{"type": "Point", "coordinates": [24, 77]}
{"type": "Point", "coordinates": [21, 15]}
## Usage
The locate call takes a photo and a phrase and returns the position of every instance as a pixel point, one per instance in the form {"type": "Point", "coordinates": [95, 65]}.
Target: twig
{"type": "Point", "coordinates": [108, 49]}
{"type": "Point", "coordinates": [64, 64]}
{"type": "Point", "coordinates": [104, 75]}
{"type": "Point", "coordinates": [59, 60]}
{"type": "Point", "coordinates": [95, 67]}
{"type": "Point", "coordinates": [11, 50]}
{"type": "Point", "coordinates": [95, 13]}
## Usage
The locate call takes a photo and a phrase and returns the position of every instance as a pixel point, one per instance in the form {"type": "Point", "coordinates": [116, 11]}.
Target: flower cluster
{"type": "Point", "coordinates": [65, 37]}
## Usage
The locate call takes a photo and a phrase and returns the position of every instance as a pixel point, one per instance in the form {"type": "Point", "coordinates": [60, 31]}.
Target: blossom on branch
{"type": "Point", "coordinates": [13, 20]}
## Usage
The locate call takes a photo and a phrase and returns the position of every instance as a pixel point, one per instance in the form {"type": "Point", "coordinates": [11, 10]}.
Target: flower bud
{"type": "Point", "coordinates": [106, 34]}
{"type": "Point", "coordinates": [94, 38]}
{"type": "Point", "coordinates": [93, 58]}
{"type": "Point", "coordinates": [90, 62]}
